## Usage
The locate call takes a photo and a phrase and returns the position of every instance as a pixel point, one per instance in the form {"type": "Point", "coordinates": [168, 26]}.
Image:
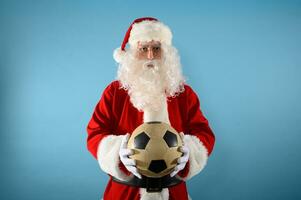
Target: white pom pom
{"type": "Point", "coordinates": [118, 55]}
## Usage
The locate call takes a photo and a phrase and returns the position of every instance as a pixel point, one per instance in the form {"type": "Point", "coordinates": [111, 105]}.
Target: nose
{"type": "Point", "coordinates": [150, 54]}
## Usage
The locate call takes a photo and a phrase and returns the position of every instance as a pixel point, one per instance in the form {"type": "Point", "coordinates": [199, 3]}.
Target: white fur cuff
{"type": "Point", "coordinates": [108, 156]}
{"type": "Point", "coordinates": [197, 157]}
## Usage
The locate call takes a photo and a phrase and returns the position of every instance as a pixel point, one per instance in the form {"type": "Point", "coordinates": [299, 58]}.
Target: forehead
{"type": "Point", "coordinates": [149, 43]}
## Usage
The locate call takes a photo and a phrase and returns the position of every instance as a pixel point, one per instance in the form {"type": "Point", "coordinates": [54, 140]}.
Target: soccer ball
{"type": "Point", "coordinates": [156, 148]}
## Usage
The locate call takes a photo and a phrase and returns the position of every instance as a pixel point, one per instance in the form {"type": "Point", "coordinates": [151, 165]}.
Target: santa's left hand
{"type": "Point", "coordinates": [181, 161]}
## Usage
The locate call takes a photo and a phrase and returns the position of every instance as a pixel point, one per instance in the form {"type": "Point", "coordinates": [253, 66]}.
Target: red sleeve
{"type": "Point", "coordinates": [197, 123]}
{"type": "Point", "coordinates": [101, 122]}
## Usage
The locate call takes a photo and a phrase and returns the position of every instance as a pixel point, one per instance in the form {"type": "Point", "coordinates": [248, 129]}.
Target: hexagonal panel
{"type": "Point", "coordinates": [170, 139]}
{"type": "Point", "coordinates": [157, 166]}
{"type": "Point", "coordinates": [141, 140]}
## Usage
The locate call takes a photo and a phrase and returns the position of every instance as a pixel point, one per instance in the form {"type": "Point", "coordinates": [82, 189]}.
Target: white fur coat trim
{"type": "Point", "coordinates": [149, 116]}
{"type": "Point", "coordinates": [108, 156]}
{"type": "Point", "coordinates": [198, 155]}
{"type": "Point", "coordinates": [161, 115]}
{"type": "Point", "coordinates": [163, 195]}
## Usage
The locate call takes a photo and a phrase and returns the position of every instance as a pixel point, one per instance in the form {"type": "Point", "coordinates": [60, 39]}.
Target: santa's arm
{"type": "Point", "coordinates": [103, 144]}
{"type": "Point", "coordinates": [199, 137]}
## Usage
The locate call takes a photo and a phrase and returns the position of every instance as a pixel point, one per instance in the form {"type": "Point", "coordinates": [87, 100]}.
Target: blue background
{"type": "Point", "coordinates": [241, 57]}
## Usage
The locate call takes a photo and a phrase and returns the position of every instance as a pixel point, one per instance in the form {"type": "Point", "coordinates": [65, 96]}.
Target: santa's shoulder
{"type": "Point", "coordinates": [115, 84]}
{"type": "Point", "coordinates": [114, 88]}
{"type": "Point", "coordinates": [187, 89]}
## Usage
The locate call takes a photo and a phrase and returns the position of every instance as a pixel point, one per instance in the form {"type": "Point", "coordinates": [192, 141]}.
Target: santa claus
{"type": "Point", "coordinates": [149, 87]}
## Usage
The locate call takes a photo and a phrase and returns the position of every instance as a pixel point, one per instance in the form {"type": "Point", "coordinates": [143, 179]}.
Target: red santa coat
{"type": "Point", "coordinates": [115, 116]}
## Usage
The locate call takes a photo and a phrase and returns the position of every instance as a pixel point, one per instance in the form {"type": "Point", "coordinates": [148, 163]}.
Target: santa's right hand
{"type": "Point", "coordinates": [124, 154]}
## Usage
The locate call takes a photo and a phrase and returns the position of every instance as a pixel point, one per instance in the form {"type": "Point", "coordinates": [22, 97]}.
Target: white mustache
{"type": "Point", "coordinates": [153, 65]}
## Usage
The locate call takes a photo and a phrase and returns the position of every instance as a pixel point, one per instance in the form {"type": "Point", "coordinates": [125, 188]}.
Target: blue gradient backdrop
{"type": "Point", "coordinates": [243, 58]}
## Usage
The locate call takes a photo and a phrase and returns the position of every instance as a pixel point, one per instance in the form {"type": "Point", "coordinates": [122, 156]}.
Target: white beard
{"type": "Point", "coordinates": [148, 87]}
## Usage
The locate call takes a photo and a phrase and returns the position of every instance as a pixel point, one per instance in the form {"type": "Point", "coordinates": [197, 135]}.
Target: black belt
{"type": "Point", "coordinates": [151, 184]}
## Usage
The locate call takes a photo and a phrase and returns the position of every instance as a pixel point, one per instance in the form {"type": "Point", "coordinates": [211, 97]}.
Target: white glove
{"type": "Point", "coordinates": [182, 160]}
{"type": "Point", "coordinates": [124, 152]}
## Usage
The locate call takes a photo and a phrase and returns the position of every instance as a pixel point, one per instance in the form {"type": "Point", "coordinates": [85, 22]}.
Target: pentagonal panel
{"type": "Point", "coordinates": [157, 166]}
{"type": "Point", "coordinates": [170, 139]}
{"type": "Point", "coordinates": [141, 140]}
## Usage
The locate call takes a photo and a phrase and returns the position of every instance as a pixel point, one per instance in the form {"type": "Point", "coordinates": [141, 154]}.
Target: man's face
{"type": "Point", "coordinates": [149, 74]}
{"type": "Point", "coordinates": [149, 50]}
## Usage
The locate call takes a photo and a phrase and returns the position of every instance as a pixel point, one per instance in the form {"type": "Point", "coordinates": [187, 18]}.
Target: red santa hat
{"type": "Point", "coordinates": [143, 30]}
